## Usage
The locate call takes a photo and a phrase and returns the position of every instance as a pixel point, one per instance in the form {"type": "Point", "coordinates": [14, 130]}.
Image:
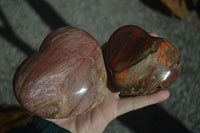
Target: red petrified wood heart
{"type": "Point", "coordinates": [139, 64]}
{"type": "Point", "coordinates": [66, 77]}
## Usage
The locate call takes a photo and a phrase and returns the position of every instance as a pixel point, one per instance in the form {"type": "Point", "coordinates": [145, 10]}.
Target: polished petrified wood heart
{"type": "Point", "coordinates": [66, 77]}
{"type": "Point", "coordinates": [139, 64]}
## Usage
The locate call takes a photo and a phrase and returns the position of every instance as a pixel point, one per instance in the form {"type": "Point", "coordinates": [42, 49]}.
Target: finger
{"type": "Point", "coordinates": [128, 104]}
{"type": "Point", "coordinates": [153, 34]}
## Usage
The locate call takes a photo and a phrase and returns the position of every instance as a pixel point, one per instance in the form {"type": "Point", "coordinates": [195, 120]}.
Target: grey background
{"type": "Point", "coordinates": [24, 25]}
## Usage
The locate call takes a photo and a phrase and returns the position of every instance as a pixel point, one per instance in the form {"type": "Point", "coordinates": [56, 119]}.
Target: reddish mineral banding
{"type": "Point", "coordinates": [139, 64]}
{"type": "Point", "coordinates": [66, 77]}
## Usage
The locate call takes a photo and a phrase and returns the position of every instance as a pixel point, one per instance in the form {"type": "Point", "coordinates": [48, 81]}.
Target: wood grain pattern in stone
{"type": "Point", "coordinates": [66, 77]}
{"type": "Point", "coordinates": [139, 64]}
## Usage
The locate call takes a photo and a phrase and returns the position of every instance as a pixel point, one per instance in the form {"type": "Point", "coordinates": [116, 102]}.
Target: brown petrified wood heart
{"type": "Point", "coordinates": [139, 64]}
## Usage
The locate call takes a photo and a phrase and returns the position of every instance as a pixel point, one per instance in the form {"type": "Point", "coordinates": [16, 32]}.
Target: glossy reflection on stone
{"type": "Point", "coordinates": [66, 77]}
{"type": "Point", "coordinates": [139, 64]}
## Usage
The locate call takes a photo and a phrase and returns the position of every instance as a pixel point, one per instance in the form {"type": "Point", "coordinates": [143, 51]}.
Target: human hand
{"type": "Point", "coordinates": [111, 107]}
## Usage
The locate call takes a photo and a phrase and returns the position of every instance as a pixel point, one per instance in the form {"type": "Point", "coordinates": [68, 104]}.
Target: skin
{"type": "Point", "coordinates": [112, 106]}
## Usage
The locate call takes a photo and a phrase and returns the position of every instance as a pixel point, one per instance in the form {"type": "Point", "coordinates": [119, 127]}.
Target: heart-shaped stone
{"type": "Point", "coordinates": [139, 64]}
{"type": "Point", "coordinates": [66, 77]}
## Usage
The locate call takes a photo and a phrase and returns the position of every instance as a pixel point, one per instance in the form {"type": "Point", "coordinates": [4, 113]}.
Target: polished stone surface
{"type": "Point", "coordinates": [138, 63]}
{"type": "Point", "coordinates": [66, 77]}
